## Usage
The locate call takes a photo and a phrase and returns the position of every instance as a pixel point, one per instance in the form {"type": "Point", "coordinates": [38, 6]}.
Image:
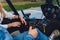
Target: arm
{"type": "Point", "coordinates": [7, 14]}
{"type": "Point", "coordinates": [12, 16]}
{"type": "Point", "coordinates": [14, 24]}
{"type": "Point", "coordinates": [1, 11]}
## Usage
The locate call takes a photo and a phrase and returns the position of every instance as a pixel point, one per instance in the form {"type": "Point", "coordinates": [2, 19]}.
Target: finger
{"type": "Point", "coordinates": [18, 26]}
{"type": "Point", "coordinates": [35, 29]}
{"type": "Point", "coordinates": [25, 22]}
{"type": "Point", "coordinates": [18, 22]}
{"type": "Point", "coordinates": [30, 28]}
{"type": "Point", "coordinates": [21, 21]}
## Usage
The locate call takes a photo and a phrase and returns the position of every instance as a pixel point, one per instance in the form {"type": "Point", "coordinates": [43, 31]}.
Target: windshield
{"type": "Point", "coordinates": [25, 4]}
{"type": "Point", "coordinates": [28, 6]}
{"type": "Point", "coordinates": [33, 8]}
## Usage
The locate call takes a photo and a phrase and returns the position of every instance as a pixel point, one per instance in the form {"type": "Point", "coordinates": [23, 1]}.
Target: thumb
{"type": "Point", "coordinates": [30, 28]}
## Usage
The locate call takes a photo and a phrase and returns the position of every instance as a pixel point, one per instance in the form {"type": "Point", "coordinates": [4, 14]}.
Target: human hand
{"type": "Point", "coordinates": [14, 24]}
{"type": "Point", "coordinates": [33, 32]}
{"type": "Point", "coordinates": [23, 20]}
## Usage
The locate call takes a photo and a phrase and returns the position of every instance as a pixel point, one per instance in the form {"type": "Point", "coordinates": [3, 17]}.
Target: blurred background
{"type": "Point", "coordinates": [27, 4]}
{"type": "Point", "coordinates": [24, 4]}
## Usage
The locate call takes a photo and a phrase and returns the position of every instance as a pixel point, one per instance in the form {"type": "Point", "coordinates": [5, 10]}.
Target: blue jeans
{"type": "Point", "coordinates": [40, 36]}
{"type": "Point", "coordinates": [4, 35]}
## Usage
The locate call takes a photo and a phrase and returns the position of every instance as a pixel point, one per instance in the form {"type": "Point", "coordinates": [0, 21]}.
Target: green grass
{"type": "Point", "coordinates": [26, 6]}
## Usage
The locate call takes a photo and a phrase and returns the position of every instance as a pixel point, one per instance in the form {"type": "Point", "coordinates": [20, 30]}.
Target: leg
{"type": "Point", "coordinates": [21, 36]}
{"type": "Point", "coordinates": [4, 34]}
{"type": "Point", "coordinates": [41, 36]}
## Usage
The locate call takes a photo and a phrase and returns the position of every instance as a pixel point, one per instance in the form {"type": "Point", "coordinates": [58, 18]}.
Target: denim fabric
{"type": "Point", "coordinates": [21, 36]}
{"type": "Point", "coordinates": [4, 34]}
{"type": "Point", "coordinates": [41, 36]}
{"type": "Point", "coordinates": [29, 37]}
{"type": "Point", "coordinates": [24, 35]}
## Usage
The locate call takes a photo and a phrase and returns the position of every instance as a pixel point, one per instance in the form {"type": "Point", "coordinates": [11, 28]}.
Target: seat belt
{"type": "Point", "coordinates": [14, 10]}
{"type": "Point", "coordinates": [58, 3]}
{"type": "Point", "coordinates": [12, 7]}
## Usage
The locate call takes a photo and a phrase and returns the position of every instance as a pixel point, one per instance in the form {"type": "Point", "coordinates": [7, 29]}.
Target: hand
{"type": "Point", "coordinates": [33, 32]}
{"type": "Point", "coordinates": [14, 24]}
{"type": "Point", "coordinates": [22, 20]}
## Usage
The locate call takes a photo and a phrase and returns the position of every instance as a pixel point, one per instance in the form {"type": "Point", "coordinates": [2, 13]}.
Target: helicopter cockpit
{"type": "Point", "coordinates": [47, 21]}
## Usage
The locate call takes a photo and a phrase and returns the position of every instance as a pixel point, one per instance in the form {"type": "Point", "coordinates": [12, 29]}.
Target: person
{"type": "Point", "coordinates": [32, 34]}
{"type": "Point", "coordinates": [11, 16]}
